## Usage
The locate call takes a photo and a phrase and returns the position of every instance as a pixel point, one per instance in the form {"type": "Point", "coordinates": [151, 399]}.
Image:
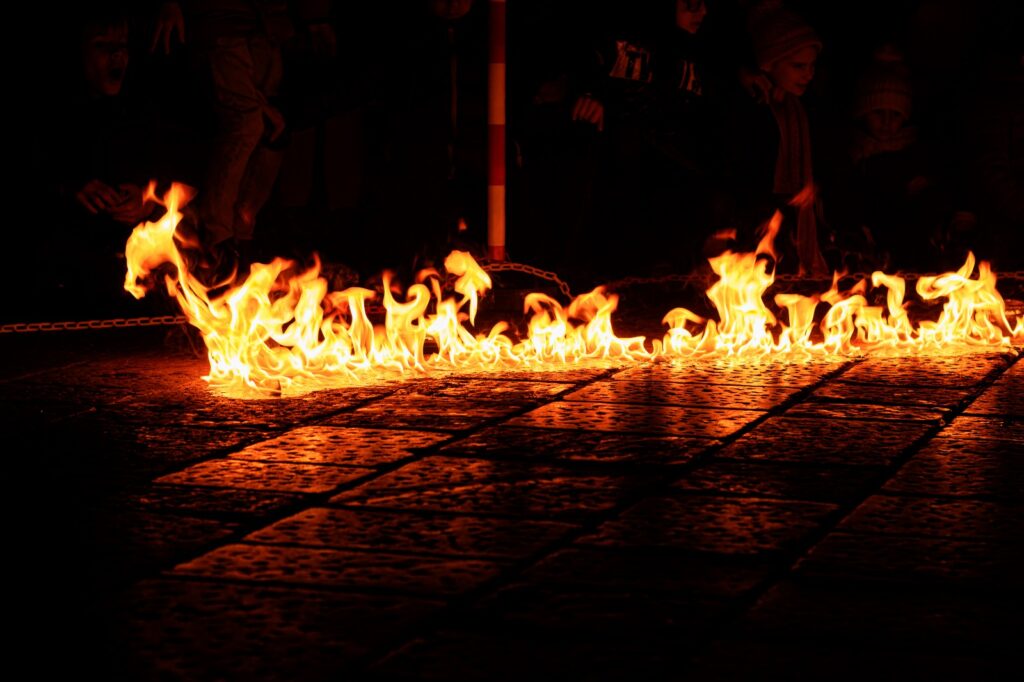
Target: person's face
{"type": "Point", "coordinates": [793, 73]}
{"type": "Point", "coordinates": [690, 14]}
{"type": "Point", "coordinates": [105, 60]}
{"type": "Point", "coordinates": [450, 9]}
{"type": "Point", "coordinates": [884, 124]}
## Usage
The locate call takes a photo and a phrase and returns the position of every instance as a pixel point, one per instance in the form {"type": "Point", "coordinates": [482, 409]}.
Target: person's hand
{"type": "Point", "coordinates": [323, 39]}
{"type": "Point", "coordinates": [98, 197]}
{"type": "Point", "coordinates": [758, 85]}
{"type": "Point", "coordinates": [590, 110]}
{"type": "Point", "coordinates": [169, 21]}
{"type": "Point", "coordinates": [133, 207]}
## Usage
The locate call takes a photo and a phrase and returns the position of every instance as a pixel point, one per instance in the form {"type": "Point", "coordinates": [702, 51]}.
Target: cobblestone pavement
{"type": "Point", "coordinates": [653, 521]}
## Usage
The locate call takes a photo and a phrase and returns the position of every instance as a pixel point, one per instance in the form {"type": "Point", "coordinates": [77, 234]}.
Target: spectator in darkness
{"type": "Point", "coordinates": [771, 151]}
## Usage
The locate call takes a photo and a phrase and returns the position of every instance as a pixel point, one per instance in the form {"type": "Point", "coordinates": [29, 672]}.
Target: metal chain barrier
{"type": "Point", "coordinates": [505, 266]}
{"type": "Point", "coordinates": [488, 266]}
{"type": "Point", "coordinates": [1017, 275]}
{"type": "Point", "coordinates": [116, 323]}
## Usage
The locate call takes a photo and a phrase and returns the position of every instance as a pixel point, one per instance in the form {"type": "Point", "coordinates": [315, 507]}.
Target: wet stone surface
{"type": "Point", "coordinates": [570, 374]}
{"type": "Point", "coordinates": [425, 412]}
{"type": "Point", "coordinates": [657, 520]}
{"type": "Point", "coordinates": [974, 563]}
{"type": "Point", "coordinates": [650, 569]}
{"type": "Point", "coordinates": [875, 394]}
{"type": "Point", "coordinates": [340, 445]}
{"type": "Point", "coordinates": [683, 394]}
{"type": "Point", "coordinates": [787, 481]}
{"type": "Point", "coordinates": [514, 442]}
{"type": "Point", "coordinates": [1003, 398]}
{"type": "Point", "coordinates": [790, 375]}
{"type": "Point", "coordinates": [100, 445]}
{"type": "Point", "coordinates": [456, 484]}
{"type": "Point", "coordinates": [229, 503]}
{"type": "Point", "coordinates": [134, 543]}
{"type": "Point", "coordinates": [460, 536]}
{"type": "Point", "coordinates": [944, 372]}
{"type": "Point", "coordinates": [826, 441]}
{"type": "Point", "coordinates": [334, 569]}
{"type": "Point", "coordinates": [487, 389]}
{"type": "Point", "coordinates": [963, 467]}
{"type": "Point", "coordinates": [182, 629]}
{"type": "Point", "coordinates": [708, 524]}
{"type": "Point", "coordinates": [986, 428]}
{"type": "Point", "coordinates": [654, 419]}
{"type": "Point", "coordinates": [270, 476]}
{"type": "Point", "coordinates": [830, 410]}
{"type": "Point", "coordinates": [933, 517]}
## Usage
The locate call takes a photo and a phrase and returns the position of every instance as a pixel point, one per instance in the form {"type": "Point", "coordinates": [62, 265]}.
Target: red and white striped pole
{"type": "Point", "coordinates": [496, 133]}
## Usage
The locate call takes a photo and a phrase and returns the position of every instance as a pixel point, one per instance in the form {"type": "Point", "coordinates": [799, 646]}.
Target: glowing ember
{"type": "Point", "coordinates": [281, 331]}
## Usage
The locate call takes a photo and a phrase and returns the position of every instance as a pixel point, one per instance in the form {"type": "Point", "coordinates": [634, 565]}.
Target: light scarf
{"type": "Point", "coordinates": [793, 175]}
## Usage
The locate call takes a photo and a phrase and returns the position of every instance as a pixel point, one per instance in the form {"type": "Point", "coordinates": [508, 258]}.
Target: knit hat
{"type": "Point", "coordinates": [885, 85]}
{"type": "Point", "coordinates": [777, 31]}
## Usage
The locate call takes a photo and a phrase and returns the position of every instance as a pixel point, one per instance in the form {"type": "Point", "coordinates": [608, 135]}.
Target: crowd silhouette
{"type": "Point", "coordinates": [642, 137]}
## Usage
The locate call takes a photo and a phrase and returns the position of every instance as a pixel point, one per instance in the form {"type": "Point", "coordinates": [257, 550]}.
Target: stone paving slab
{"type": "Point", "coordinates": [963, 467]}
{"type": "Point", "coordinates": [790, 375]}
{"type": "Point", "coordinates": [653, 392]}
{"type": "Point", "coordinates": [836, 483]}
{"type": "Point", "coordinates": [708, 524]}
{"type": "Point", "coordinates": [334, 569]}
{"type": "Point", "coordinates": [104, 448]}
{"type": "Point", "coordinates": [269, 476]}
{"type": "Point", "coordinates": [341, 445]}
{"type": "Point", "coordinates": [457, 484]}
{"type": "Point", "coordinates": [651, 570]}
{"type": "Point", "coordinates": [1003, 398]}
{"type": "Point", "coordinates": [458, 536]}
{"type": "Point", "coordinates": [229, 503]}
{"type": "Point", "coordinates": [181, 629]}
{"type": "Point", "coordinates": [134, 543]}
{"type": "Point", "coordinates": [933, 517]}
{"type": "Point", "coordinates": [826, 441]}
{"type": "Point", "coordinates": [940, 371]}
{"type": "Point", "coordinates": [515, 442]}
{"type": "Point", "coordinates": [174, 389]}
{"type": "Point", "coordinates": [571, 373]}
{"type": "Point", "coordinates": [653, 419]}
{"type": "Point", "coordinates": [986, 428]}
{"type": "Point", "coordinates": [956, 563]}
{"type": "Point", "coordinates": [830, 410]}
{"type": "Point", "coordinates": [501, 390]}
{"type": "Point", "coordinates": [601, 521]}
{"type": "Point", "coordinates": [875, 394]}
{"type": "Point", "coordinates": [426, 412]}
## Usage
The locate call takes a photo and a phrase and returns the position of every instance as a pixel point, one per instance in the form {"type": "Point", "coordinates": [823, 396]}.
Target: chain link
{"type": "Point", "coordinates": [116, 323]}
{"type": "Point", "coordinates": [506, 266]}
{"type": "Point", "coordinates": [489, 266]}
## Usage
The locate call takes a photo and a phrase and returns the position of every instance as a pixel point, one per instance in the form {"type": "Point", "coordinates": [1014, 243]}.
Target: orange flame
{"type": "Point", "coordinates": [281, 330]}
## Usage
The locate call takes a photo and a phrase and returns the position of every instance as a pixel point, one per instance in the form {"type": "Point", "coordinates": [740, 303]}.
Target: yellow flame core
{"type": "Point", "coordinates": [282, 331]}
